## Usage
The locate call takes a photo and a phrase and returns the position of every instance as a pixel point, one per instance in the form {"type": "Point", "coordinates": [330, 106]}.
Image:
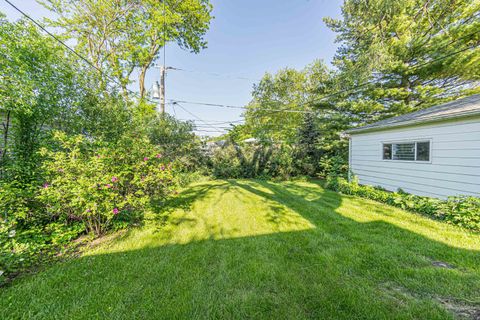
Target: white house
{"type": "Point", "coordinates": [433, 152]}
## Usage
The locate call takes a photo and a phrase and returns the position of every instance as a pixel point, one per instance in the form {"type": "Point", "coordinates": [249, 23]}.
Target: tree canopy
{"type": "Point", "coordinates": [122, 36]}
{"type": "Point", "coordinates": [394, 57]}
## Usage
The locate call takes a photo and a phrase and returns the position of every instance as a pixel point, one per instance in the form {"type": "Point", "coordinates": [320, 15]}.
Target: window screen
{"type": "Point", "coordinates": [387, 151]}
{"type": "Point", "coordinates": [423, 151]}
{"type": "Point", "coordinates": [407, 151]}
{"type": "Point", "coordinates": [404, 151]}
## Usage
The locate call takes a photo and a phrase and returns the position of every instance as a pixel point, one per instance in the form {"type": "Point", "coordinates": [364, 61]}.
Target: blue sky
{"type": "Point", "coordinates": [246, 39]}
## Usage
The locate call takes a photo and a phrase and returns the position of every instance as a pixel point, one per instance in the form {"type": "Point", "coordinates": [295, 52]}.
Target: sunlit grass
{"type": "Point", "coordinates": [255, 249]}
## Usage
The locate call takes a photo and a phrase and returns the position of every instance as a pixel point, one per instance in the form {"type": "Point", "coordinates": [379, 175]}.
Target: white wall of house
{"type": "Point", "coordinates": [453, 169]}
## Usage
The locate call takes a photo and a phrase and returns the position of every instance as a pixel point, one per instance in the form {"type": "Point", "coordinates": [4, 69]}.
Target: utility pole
{"type": "Point", "coordinates": [159, 88]}
{"type": "Point", "coordinates": [162, 90]}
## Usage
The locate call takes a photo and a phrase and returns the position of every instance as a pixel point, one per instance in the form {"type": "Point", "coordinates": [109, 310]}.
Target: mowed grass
{"type": "Point", "coordinates": [243, 249]}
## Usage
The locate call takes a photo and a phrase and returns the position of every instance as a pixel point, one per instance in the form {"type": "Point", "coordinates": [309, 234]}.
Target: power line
{"type": "Point", "coordinates": [214, 122]}
{"type": "Point", "coordinates": [207, 127]}
{"type": "Point", "coordinates": [238, 107]}
{"type": "Point", "coordinates": [220, 105]}
{"type": "Point", "coordinates": [217, 121]}
{"type": "Point", "coordinates": [352, 90]}
{"type": "Point", "coordinates": [205, 131]}
{"type": "Point", "coordinates": [195, 116]}
{"type": "Point", "coordinates": [87, 61]}
{"type": "Point", "coordinates": [72, 50]}
{"type": "Point", "coordinates": [384, 77]}
{"type": "Point", "coordinates": [216, 74]}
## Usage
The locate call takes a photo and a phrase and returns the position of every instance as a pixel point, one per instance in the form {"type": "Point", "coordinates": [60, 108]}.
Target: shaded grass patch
{"type": "Point", "coordinates": [241, 249]}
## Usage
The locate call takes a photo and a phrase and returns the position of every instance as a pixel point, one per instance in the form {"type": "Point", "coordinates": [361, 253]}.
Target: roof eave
{"type": "Point", "coordinates": [411, 123]}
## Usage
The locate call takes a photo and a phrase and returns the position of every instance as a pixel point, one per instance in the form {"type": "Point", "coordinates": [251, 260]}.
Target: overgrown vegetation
{"type": "Point", "coordinates": [394, 57]}
{"type": "Point", "coordinates": [79, 154]}
{"type": "Point", "coordinates": [460, 211]}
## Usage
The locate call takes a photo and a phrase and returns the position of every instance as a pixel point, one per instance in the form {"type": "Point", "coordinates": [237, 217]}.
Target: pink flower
{"type": "Point", "coordinates": [46, 185]}
{"type": "Point", "coordinates": [158, 156]}
{"type": "Point", "coordinates": [115, 211]}
{"type": "Point", "coordinates": [108, 186]}
{"type": "Point", "coordinates": [114, 179]}
{"type": "Point", "coordinates": [162, 168]}
{"type": "Point", "coordinates": [145, 159]}
{"type": "Point", "coordinates": [88, 210]}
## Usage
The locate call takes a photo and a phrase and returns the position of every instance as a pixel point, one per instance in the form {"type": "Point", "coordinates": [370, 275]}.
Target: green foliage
{"type": "Point", "coordinates": [175, 138]}
{"type": "Point", "coordinates": [334, 166]}
{"type": "Point", "coordinates": [96, 185]}
{"type": "Point", "coordinates": [287, 89]}
{"type": "Point", "coordinates": [461, 211]}
{"type": "Point", "coordinates": [394, 57]}
{"type": "Point", "coordinates": [407, 55]}
{"type": "Point", "coordinates": [311, 152]}
{"type": "Point", "coordinates": [38, 87]}
{"type": "Point", "coordinates": [308, 153]}
{"type": "Point", "coordinates": [57, 93]}
{"type": "Point", "coordinates": [123, 36]}
{"type": "Point", "coordinates": [252, 160]}
{"type": "Point", "coordinates": [22, 249]}
{"type": "Point", "coordinates": [251, 249]}
{"type": "Point", "coordinates": [17, 200]}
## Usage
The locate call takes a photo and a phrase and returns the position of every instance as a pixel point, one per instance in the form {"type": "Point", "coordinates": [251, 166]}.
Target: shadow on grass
{"type": "Point", "coordinates": [183, 201]}
{"type": "Point", "coordinates": [341, 269]}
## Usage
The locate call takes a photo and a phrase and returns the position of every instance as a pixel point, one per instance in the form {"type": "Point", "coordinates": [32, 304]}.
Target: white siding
{"type": "Point", "coordinates": [455, 159]}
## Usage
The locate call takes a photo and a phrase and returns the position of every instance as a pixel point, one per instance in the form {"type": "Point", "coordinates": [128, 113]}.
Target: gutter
{"type": "Point", "coordinates": [412, 122]}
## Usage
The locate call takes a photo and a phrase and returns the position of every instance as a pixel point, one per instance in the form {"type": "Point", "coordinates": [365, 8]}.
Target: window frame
{"type": "Point", "coordinates": [414, 141]}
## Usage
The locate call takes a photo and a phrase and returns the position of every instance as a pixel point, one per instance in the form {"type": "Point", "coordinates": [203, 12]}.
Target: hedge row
{"type": "Point", "coordinates": [462, 211]}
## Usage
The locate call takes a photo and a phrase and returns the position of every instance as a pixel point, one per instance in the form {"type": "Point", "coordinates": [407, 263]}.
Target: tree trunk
{"type": "Point", "coordinates": [141, 81]}
{"type": "Point", "coordinates": [6, 127]}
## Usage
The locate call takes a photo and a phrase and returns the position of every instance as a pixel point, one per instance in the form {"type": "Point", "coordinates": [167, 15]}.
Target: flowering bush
{"type": "Point", "coordinates": [101, 184]}
{"type": "Point", "coordinates": [462, 211]}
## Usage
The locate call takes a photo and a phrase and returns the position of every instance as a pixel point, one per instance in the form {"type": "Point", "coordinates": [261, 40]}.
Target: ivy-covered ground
{"type": "Point", "coordinates": [238, 249]}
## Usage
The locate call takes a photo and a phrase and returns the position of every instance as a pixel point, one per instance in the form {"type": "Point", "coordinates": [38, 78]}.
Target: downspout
{"type": "Point", "coordinates": [350, 158]}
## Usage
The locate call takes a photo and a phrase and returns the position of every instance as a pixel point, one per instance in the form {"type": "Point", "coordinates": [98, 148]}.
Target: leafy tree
{"type": "Point", "coordinates": [175, 138]}
{"type": "Point", "coordinates": [400, 56]}
{"type": "Point", "coordinates": [39, 87]}
{"type": "Point", "coordinates": [280, 102]}
{"type": "Point", "coordinates": [308, 152]}
{"type": "Point", "coordinates": [124, 35]}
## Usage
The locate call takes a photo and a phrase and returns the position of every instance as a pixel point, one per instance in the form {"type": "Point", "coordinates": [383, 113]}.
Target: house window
{"type": "Point", "coordinates": [407, 151]}
{"type": "Point", "coordinates": [423, 151]}
{"type": "Point", "coordinates": [387, 151]}
{"type": "Point", "coordinates": [403, 151]}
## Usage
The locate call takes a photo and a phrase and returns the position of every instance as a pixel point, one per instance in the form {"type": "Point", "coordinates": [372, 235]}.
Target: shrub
{"type": "Point", "coordinates": [333, 166]}
{"type": "Point", "coordinates": [226, 163]}
{"type": "Point", "coordinates": [99, 185]}
{"type": "Point", "coordinates": [21, 249]}
{"type": "Point", "coordinates": [252, 161]}
{"type": "Point", "coordinates": [461, 211]}
{"type": "Point", "coordinates": [16, 200]}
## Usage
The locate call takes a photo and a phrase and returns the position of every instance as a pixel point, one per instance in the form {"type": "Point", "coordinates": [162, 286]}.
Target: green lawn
{"type": "Point", "coordinates": [242, 249]}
